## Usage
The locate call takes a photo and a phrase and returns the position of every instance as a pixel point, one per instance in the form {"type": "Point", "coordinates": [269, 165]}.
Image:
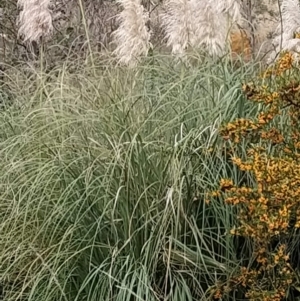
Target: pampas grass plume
{"type": "Point", "coordinates": [210, 28]}
{"type": "Point", "coordinates": [178, 25]}
{"type": "Point", "coordinates": [290, 12]}
{"type": "Point", "coordinates": [199, 24]}
{"type": "Point", "coordinates": [132, 36]}
{"type": "Point", "coordinates": [230, 7]}
{"type": "Point", "coordinates": [285, 32]}
{"type": "Point", "coordinates": [35, 19]}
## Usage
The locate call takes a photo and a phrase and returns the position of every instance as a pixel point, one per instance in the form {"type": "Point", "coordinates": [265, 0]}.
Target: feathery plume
{"type": "Point", "coordinates": [210, 28]}
{"type": "Point", "coordinates": [290, 23]}
{"type": "Point", "coordinates": [178, 25]}
{"type": "Point", "coordinates": [287, 28]}
{"type": "Point", "coordinates": [199, 24]}
{"type": "Point", "coordinates": [230, 7]}
{"type": "Point", "coordinates": [35, 19]}
{"type": "Point", "coordinates": [132, 36]}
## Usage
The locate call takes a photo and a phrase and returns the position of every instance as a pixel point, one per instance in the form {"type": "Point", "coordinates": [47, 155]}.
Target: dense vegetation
{"type": "Point", "coordinates": [157, 178]}
{"type": "Point", "coordinates": [103, 182]}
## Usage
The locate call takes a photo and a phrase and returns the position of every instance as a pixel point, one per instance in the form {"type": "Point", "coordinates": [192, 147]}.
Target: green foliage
{"type": "Point", "coordinates": [103, 180]}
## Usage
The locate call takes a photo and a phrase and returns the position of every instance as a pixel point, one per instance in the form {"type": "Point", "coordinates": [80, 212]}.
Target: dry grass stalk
{"type": "Point", "coordinates": [35, 19]}
{"type": "Point", "coordinates": [132, 36]}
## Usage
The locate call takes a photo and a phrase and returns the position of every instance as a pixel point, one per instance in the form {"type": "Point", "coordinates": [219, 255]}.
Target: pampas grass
{"type": "Point", "coordinates": [230, 7]}
{"type": "Point", "coordinates": [199, 24]}
{"type": "Point", "coordinates": [178, 25]}
{"type": "Point", "coordinates": [35, 19]}
{"type": "Point", "coordinates": [287, 28]}
{"type": "Point", "coordinates": [103, 182]}
{"type": "Point", "coordinates": [210, 28]}
{"type": "Point", "coordinates": [132, 36]}
{"type": "Point", "coordinates": [196, 24]}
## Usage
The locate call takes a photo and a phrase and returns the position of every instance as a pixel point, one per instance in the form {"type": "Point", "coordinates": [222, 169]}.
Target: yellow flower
{"type": "Point", "coordinates": [226, 184]}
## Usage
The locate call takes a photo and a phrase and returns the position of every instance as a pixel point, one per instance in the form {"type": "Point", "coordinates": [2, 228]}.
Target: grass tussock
{"type": "Point", "coordinates": [103, 182]}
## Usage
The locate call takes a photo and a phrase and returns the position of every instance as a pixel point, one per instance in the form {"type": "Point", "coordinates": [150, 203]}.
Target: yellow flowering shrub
{"type": "Point", "coordinates": [269, 208]}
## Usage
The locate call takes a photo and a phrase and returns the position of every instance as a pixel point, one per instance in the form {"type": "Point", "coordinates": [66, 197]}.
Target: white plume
{"type": "Point", "coordinates": [200, 24]}
{"type": "Point", "coordinates": [286, 29]}
{"type": "Point", "coordinates": [35, 19]}
{"type": "Point", "coordinates": [178, 25]}
{"type": "Point", "coordinates": [132, 36]}
{"type": "Point", "coordinates": [230, 7]}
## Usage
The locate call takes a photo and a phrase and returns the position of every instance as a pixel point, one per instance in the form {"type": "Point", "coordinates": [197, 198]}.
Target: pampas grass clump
{"type": "Point", "coordinates": [197, 24]}
{"type": "Point", "coordinates": [132, 36]}
{"type": "Point", "coordinates": [35, 19]}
